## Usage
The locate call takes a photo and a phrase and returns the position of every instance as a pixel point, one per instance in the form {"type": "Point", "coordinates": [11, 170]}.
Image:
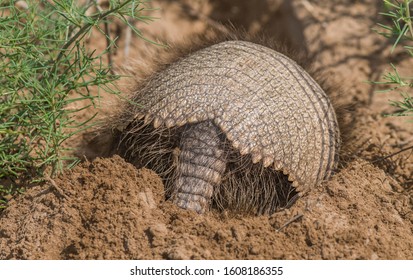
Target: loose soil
{"type": "Point", "coordinates": [108, 209]}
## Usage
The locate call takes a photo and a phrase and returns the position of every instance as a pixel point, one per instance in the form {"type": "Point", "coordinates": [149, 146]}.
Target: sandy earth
{"type": "Point", "coordinates": [108, 209]}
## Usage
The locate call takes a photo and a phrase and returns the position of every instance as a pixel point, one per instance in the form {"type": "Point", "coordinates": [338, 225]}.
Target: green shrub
{"type": "Point", "coordinates": [45, 68]}
{"type": "Point", "coordinates": [399, 29]}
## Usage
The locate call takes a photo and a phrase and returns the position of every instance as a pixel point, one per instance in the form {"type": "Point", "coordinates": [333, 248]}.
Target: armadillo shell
{"type": "Point", "coordinates": [266, 105]}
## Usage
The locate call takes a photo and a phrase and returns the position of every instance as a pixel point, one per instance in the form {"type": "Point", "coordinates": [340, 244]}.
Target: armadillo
{"type": "Point", "coordinates": [236, 125]}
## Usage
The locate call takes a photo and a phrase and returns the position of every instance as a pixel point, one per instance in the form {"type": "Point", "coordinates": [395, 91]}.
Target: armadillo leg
{"type": "Point", "coordinates": [201, 164]}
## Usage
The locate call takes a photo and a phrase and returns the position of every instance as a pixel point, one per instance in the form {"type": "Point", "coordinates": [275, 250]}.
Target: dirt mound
{"type": "Point", "coordinates": [94, 206]}
{"type": "Point", "coordinates": [107, 209]}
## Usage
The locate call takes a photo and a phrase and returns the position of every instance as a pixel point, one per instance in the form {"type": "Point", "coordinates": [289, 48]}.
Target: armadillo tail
{"type": "Point", "coordinates": [201, 164]}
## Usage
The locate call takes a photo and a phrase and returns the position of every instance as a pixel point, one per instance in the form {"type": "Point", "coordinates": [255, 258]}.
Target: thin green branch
{"type": "Point", "coordinates": [44, 59]}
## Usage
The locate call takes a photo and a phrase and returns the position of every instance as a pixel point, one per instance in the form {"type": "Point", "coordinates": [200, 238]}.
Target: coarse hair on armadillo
{"type": "Point", "coordinates": [245, 186]}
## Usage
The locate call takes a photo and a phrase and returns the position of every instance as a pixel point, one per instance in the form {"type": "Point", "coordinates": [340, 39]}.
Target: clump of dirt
{"type": "Point", "coordinates": [90, 212]}
{"type": "Point", "coordinates": [108, 209]}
